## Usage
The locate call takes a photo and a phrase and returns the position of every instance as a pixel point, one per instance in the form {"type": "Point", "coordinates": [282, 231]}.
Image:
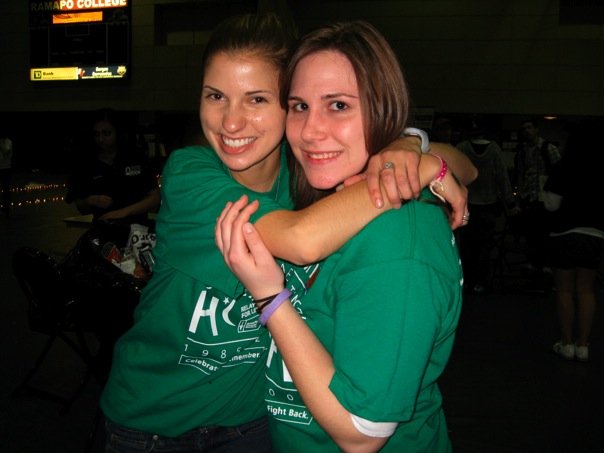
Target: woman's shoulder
{"type": "Point", "coordinates": [192, 159]}
{"type": "Point", "coordinates": [193, 153]}
{"type": "Point", "coordinates": [399, 230]}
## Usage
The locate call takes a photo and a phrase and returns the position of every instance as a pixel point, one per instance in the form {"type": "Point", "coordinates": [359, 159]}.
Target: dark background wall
{"type": "Point", "coordinates": [503, 59]}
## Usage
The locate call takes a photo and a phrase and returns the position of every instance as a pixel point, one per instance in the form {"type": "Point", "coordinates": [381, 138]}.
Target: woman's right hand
{"type": "Point", "coordinates": [244, 251]}
{"type": "Point", "coordinates": [100, 201]}
{"type": "Point", "coordinates": [456, 194]}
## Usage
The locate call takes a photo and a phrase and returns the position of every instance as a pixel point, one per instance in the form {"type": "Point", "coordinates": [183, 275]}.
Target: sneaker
{"type": "Point", "coordinates": [566, 351]}
{"type": "Point", "coordinates": [582, 353]}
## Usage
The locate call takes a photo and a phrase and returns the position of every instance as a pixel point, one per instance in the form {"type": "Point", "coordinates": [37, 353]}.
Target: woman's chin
{"type": "Point", "coordinates": [323, 184]}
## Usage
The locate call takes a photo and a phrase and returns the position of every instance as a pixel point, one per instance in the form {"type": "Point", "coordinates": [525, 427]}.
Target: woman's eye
{"type": "Point", "coordinates": [338, 105]}
{"type": "Point", "coordinates": [298, 107]}
{"type": "Point", "coordinates": [214, 96]}
{"type": "Point", "coordinates": [259, 100]}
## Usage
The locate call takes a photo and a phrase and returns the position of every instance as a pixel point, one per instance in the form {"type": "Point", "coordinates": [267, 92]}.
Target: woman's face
{"type": "Point", "coordinates": [240, 112]}
{"type": "Point", "coordinates": [324, 120]}
{"type": "Point", "coordinates": [105, 135]}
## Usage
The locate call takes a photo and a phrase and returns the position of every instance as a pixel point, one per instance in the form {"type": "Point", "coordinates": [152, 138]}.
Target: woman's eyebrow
{"type": "Point", "coordinates": [339, 95]}
{"type": "Point", "coordinates": [326, 97]}
{"type": "Point", "coordinates": [210, 87]}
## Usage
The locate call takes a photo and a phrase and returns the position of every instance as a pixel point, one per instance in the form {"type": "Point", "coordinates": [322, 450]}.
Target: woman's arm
{"type": "Point", "coordinates": [317, 231]}
{"type": "Point", "coordinates": [461, 166]}
{"type": "Point", "coordinates": [313, 233]}
{"type": "Point", "coordinates": [309, 363]}
{"type": "Point", "coordinates": [311, 368]}
{"type": "Point", "coordinates": [149, 203]}
{"type": "Point", "coordinates": [86, 205]}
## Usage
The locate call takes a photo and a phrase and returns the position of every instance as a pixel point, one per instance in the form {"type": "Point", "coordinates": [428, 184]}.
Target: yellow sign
{"type": "Point", "coordinates": [36, 74]}
{"type": "Point", "coordinates": [78, 73]}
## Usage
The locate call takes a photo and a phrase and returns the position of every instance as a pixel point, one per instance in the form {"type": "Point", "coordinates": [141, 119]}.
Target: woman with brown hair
{"type": "Point", "coordinates": [360, 349]}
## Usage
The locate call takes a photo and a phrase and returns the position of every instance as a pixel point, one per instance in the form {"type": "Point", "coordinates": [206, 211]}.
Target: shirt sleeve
{"type": "Point", "coordinates": [393, 307]}
{"type": "Point", "coordinates": [373, 429]}
{"type": "Point", "coordinates": [195, 188]}
{"type": "Point", "coordinates": [196, 185]}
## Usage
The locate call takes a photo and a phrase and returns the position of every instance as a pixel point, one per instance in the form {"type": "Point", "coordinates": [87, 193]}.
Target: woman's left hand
{"type": "Point", "coordinates": [244, 251]}
{"type": "Point", "coordinates": [397, 166]}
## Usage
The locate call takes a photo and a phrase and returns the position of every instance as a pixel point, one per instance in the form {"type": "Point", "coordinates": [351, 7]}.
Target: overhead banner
{"type": "Point", "coordinates": [76, 5]}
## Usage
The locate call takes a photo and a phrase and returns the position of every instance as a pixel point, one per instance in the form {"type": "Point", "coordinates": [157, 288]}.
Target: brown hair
{"type": "Point", "coordinates": [264, 35]}
{"type": "Point", "coordinates": [382, 89]}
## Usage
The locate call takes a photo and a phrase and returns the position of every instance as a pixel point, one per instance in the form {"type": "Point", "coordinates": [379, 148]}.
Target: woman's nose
{"type": "Point", "coordinates": [313, 127]}
{"type": "Point", "coordinates": [233, 118]}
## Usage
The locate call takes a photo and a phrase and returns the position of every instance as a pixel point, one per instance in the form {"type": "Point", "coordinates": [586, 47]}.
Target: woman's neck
{"type": "Point", "coordinates": [107, 155]}
{"type": "Point", "coordinates": [262, 176]}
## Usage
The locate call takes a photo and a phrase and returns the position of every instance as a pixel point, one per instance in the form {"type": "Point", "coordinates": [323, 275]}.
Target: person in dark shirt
{"type": "Point", "coordinates": [576, 238]}
{"type": "Point", "coordinates": [113, 183]}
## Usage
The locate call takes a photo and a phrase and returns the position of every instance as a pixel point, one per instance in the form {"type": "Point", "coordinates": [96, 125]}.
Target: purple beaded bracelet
{"type": "Point", "coordinates": [276, 303]}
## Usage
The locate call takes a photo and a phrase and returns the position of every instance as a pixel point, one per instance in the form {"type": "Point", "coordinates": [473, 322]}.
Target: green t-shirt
{"type": "Point", "coordinates": [386, 306]}
{"type": "Point", "coordinates": [196, 353]}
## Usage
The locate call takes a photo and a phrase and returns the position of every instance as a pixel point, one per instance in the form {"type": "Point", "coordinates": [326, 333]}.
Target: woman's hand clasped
{"type": "Point", "coordinates": [244, 251]}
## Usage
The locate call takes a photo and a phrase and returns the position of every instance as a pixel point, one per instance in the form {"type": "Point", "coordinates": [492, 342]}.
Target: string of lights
{"type": "Point", "coordinates": [34, 186]}
{"type": "Point", "coordinates": [29, 194]}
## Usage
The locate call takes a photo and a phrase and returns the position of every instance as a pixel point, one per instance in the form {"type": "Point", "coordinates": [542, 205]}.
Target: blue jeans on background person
{"type": "Point", "coordinates": [251, 437]}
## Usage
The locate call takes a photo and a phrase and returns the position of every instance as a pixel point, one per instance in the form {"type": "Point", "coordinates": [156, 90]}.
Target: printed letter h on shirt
{"type": "Point", "coordinates": [201, 311]}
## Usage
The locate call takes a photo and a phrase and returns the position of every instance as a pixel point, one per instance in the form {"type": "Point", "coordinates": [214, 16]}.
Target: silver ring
{"type": "Point", "coordinates": [388, 165]}
{"type": "Point", "coordinates": [465, 218]}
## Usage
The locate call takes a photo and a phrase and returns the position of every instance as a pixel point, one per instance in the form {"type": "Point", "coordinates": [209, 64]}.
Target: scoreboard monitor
{"type": "Point", "coordinates": [79, 40]}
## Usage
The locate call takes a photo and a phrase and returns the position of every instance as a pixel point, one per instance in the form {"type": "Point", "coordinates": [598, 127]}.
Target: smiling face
{"type": "Point", "coordinates": [241, 116]}
{"type": "Point", "coordinates": [325, 121]}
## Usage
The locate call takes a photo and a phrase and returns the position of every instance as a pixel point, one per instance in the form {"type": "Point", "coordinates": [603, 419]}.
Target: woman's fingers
{"type": "Point", "coordinates": [374, 167]}
{"type": "Point", "coordinates": [456, 195]}
{"type": "Point", "coordinates": [398, 172]}
{"type": "Point", "coordinates": [226, 219]}
{"type": "Point", "coordinates": [267, 278]}
{"type": "Point", "coordinates": [238, 247]}
{"type": "Point", "coordinates": [389, 181]}
{"type": "Point", "coordinates": [218, 228]}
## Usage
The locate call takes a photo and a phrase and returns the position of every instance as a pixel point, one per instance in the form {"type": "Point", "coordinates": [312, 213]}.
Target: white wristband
{"type": "Point", "coordinates": [415, 132]}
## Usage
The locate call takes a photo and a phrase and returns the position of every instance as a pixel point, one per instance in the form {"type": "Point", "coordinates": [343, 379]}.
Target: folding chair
{"type": "Point", "coordinates": [52, 311]}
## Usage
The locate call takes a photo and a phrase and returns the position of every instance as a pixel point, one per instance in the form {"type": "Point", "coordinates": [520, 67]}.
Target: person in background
{"type": "Point", "coordinates": [488, 197]}
{"type": "Point", "coordinates": [6, 171]}
{"type": "Point", "coordinates": [189, 375]}
{"type": "Point", "coordinates": [112, 182]}
{"type": "Point", "coordinates": [442, 130]}
{"type": "Point", "coordinates": [576, 240]}
{"type": "Point", "coordinates": [533, 162]}
{"type": "Point", "coordinates": [358, 352]}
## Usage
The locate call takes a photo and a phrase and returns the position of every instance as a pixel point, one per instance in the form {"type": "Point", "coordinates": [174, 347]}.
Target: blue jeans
{"type": "Point", "coordinates": [252, 437]}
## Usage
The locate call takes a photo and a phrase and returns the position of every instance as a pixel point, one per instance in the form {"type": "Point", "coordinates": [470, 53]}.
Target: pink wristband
{"type": "Point", "coordinates": [436, 185]}
{"type": "Point", "coordinates": [276, 303]}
